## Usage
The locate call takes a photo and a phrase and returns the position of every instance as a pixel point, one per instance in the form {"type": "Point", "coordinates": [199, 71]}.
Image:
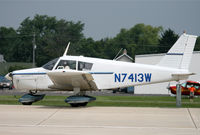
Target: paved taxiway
{"type": "Point", "coordinates": [43, 120]}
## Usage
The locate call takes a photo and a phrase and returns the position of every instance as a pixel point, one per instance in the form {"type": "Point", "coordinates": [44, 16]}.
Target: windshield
{"type": "Point", "coordinates": [183, 84]}
{"type": "Point", "coordinates": [50, 64]}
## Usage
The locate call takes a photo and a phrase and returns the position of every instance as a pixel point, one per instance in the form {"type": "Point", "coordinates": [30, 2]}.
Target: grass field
{"type": "Point", "coordinates": [122, 101]}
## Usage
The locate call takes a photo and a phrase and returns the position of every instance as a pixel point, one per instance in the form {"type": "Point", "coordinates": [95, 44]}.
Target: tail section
{"type": "Point", "coordinates": [179, 56]}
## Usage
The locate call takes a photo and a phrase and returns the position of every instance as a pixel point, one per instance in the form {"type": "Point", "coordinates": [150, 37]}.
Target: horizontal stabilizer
{"type": "Point", "coordinates": [182, 76]}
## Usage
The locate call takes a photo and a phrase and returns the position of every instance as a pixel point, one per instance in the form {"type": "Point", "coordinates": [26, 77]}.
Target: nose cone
{"type": "Point", "coordinates": [173, 89]}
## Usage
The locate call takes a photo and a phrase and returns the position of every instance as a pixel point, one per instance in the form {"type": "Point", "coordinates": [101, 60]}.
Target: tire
{"type": "Point", "coordinates": [74, 105]}
{"type": "Point", "coordinates": [78, 104]}
{"type": "Point", "coordinates": [83, 104]}
{"type": "Point", "coordinates": [29, 103]}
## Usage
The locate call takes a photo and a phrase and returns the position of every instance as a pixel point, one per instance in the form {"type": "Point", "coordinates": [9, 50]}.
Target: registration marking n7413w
{"type": "Point", "coordinates": [132, 77]}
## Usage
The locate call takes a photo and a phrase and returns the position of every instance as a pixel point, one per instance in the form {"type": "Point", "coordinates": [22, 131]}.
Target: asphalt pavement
{"type": "Point", "coordinates": [44, 120]}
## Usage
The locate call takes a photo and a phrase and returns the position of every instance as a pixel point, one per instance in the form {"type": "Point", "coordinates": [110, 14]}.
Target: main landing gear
{"type": "Point", "coordinates": [31, 97]}
{"type": "Point", "coordinates": [79, 100]}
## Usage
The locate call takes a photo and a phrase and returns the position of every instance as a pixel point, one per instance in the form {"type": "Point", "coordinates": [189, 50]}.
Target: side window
{"type": "Point", "coordinates": [84, 66]}
{"type": "Point", "coordinates": [66, 64]}
{"type": "Point", "coordinates": [189, 85]}
{"type": "Point", "coordinates": [196, 86]}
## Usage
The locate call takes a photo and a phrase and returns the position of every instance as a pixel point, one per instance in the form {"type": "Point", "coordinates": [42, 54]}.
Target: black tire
{"type": "Point", "coordinates": [29, 103]}
{"type": "Point", "coordinates": [83, 104]}
{"type": "Point", "coordinates": [78, 104]}
{"type": "Point", "coordinates": [74, 105]}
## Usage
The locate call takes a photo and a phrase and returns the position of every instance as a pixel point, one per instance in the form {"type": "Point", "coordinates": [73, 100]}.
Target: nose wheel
{"type": "Point", "coordinates": [29, 98]}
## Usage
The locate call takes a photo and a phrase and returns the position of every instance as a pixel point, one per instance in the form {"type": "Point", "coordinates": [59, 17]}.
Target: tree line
{"type": "Point", "coordinates": [52, 36]}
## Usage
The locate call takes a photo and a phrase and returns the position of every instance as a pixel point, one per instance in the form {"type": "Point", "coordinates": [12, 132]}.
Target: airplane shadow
{"type": "Point", "coordinates": [60, 107]}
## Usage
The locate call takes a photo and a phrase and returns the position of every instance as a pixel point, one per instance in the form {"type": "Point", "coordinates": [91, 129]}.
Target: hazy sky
{"type": "Point", "coordinates": [105, 18]}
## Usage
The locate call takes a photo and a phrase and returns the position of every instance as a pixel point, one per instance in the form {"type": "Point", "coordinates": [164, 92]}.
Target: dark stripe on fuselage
{"type": "Point", "coordinates": [29, 73]}
{"type": "Point", "coordinates": [101, 72]}
{"type": "Point", "coordinates": [174, 54]}
{"type": "Point", "coordinates": [46, 73]}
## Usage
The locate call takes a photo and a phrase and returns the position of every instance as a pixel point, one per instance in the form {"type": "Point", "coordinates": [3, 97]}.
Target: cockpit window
{"type": "Point", "coordinates": [50, 64]}
{"type": "Point", "coordinates": [183, 84]}
{"type": "Point", "coordinates": [84, 66]}
{"type": "Point", "coordinates": [197, 86]}
{"type": "Point", "coordinates": [66, 64]}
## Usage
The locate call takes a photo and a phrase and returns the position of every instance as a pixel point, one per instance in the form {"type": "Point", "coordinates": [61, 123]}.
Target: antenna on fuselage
{"type": "Point", "coordinates": [66, 50]}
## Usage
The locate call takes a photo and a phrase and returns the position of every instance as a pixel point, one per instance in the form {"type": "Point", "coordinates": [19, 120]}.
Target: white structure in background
{"type": "Point", "coordinates": [124, 57]}
{"type": "Point", "coordinates": [2, 58]}
{"type": "Point", "coordinates": [160, 88]}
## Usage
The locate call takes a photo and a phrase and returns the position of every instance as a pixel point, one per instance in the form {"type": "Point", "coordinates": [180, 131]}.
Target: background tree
{"type": "Point", "coordinates": [146, 37]}
{"type": "Point", "coordinates": [52, 36]}
{"type": "Point", "coordinates": [168, 38]}
{"type": "Point", "coordinates": [197, 45]}
{"type": "Point", "coordinates": [7, 42]}
{"type": "Point", "coordinates": [140, 39]}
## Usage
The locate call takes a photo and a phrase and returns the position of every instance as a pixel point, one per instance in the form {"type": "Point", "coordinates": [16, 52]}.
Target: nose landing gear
{"type": "Point", "coordinates": [28, 99]}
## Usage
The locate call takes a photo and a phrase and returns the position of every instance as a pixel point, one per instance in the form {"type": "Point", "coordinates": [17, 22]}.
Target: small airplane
{"type": "Point", "coordinates": [80, 74]}
{"type": "Point", "coordinates": [185, 88]}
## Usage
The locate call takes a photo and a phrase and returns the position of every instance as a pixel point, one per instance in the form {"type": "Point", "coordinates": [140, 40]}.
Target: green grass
{"type": "Point", "coordinates": [116, 101]}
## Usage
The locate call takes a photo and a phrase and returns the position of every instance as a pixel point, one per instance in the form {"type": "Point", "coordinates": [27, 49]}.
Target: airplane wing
{"type": "Point", "coordinates": [69, 79]}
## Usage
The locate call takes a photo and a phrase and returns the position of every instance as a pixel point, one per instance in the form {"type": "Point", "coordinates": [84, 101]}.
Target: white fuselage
{"type": "Point", "coordinates": [83, 73]}
{"type": "Point", "coordinates": [107, 74]}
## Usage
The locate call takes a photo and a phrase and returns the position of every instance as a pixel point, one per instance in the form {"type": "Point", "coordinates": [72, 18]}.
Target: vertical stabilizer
{"type": "Point", "coordinates": [179, 56]}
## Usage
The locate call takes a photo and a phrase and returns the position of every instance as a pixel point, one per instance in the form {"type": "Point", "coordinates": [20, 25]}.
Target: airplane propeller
{"type": "Point", "coordinates": [9, 76]}
{"type": "Point", "coordinates": [168, 87]}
